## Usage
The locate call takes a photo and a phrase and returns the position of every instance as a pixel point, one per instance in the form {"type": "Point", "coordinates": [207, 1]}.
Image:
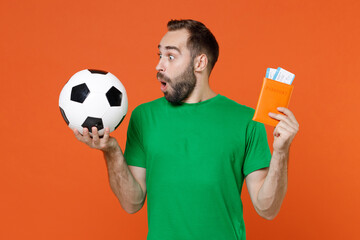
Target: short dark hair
{"type": "Point", "coordinates": [201, 40]}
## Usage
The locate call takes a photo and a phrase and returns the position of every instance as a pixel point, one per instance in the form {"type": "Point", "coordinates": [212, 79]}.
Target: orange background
{"type": "Point", "coordinates": [53, 187]}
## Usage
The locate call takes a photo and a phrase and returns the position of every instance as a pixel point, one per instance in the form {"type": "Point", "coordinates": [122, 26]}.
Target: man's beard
{"type": "Point", "coordinates": [182, 86]}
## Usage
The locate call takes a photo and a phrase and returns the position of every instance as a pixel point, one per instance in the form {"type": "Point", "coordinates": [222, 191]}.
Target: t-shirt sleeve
{"type": "Point", "coordinates": [258, 153]}
{"type": "Point", "coordinates": [134, 150]}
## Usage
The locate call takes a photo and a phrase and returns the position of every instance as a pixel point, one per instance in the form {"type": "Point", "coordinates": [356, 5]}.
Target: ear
{"type": "Point", "coordinates": [200, 63]}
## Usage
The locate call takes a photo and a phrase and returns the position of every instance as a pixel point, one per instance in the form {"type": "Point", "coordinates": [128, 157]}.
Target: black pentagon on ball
{"type": "Point", "coordinates": [114, 97]}
{"type": "Point", "coordinates": [93, 122]}
{"type": "Point", "coordinates": [64, 116]}
{"type": "Point", "coordinates": [79, 93]}
{"type": "Point", "coordinates": [97, 71]}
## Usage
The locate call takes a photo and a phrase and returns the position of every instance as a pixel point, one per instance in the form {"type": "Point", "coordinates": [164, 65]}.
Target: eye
{"type": "Point", "coordinates": [171, 57]}
{"type": "Point", "coordinates": [160, 55]}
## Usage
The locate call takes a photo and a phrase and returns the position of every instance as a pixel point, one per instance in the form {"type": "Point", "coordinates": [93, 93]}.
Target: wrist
{"type": "Point", "coordinates": [280, 158]}
{"type": "Point", "coordinates": [113, 156]}
{"type": "Point", "coordinates": [112, 148]}
{"type": "Point", "coordinates": [281, 152]}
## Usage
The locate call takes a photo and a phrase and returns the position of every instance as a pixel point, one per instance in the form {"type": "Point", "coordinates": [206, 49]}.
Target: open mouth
{"type": "Point", "coordinates": [163, 85]}
{"type": "Point", "coordinates": [162, 79]}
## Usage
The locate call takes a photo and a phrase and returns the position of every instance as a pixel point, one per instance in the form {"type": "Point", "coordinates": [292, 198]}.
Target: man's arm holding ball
{"type": "Point", "coordinates": [267, 187]}
{"type": "Point", "coordinates": [127, 182]}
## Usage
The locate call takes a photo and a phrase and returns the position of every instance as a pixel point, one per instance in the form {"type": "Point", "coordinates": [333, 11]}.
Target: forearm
{"type": "Point", "coordinates": [122, 182]}
{"type": "Point", "coordinates": [273, 190]}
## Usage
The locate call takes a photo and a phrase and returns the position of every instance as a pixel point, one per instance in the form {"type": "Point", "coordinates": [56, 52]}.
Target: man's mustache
{"type": "Point", "coordinates": [162, 77]}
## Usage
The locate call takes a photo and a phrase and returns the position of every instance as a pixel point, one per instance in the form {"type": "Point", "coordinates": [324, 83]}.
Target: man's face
{"type": "Point", "coordinates": [175, 67]}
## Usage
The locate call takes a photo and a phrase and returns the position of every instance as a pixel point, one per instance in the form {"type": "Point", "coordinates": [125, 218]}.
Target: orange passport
{"type": "Point", "coordinates": [273, 94]}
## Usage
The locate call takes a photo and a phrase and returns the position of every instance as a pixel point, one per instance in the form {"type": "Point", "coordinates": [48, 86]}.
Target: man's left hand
{"type": "Point", "coordinates": [285, 130]}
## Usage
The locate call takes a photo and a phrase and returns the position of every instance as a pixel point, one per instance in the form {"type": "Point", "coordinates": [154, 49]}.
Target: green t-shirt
{"type": "Point", "coordinates": [196, 158]}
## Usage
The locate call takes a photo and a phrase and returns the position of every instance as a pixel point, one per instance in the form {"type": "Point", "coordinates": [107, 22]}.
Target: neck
{"type": "Point", "coordinates": [201, 92]}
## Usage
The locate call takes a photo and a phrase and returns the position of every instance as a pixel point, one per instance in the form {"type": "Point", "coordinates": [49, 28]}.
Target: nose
{"type": "Point", "coordinates": [160, 66]}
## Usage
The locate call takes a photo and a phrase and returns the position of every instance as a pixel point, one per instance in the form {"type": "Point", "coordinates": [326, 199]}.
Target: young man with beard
{"type": "Point", "coordinates": [190, 152]}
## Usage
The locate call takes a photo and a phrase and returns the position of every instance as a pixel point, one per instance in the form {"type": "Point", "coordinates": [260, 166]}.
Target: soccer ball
{"type": "Point", "coordinates": [93, 98]}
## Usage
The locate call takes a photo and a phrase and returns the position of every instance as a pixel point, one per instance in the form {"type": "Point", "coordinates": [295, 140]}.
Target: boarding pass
{"type": "Point", "coordinates": [280, 75]}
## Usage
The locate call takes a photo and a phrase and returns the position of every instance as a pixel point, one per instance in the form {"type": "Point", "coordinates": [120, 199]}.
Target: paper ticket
{"type": "Point", "coordinates": [270, 73]}
{"type": "Point", "coordinates": [280, 75]}
{"type": "Point", "coordinates": [284, 76]}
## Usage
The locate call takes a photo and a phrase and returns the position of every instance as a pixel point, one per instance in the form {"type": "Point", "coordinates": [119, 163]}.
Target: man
{"type": "Point", "coordinates": [190, 152]}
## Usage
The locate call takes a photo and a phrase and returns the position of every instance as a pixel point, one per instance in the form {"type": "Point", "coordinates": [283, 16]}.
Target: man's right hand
{"type": "Point", "coordinates": [105, 144]}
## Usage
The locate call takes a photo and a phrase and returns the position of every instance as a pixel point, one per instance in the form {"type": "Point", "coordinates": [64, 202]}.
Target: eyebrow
{"type": "Point", "coordinates": [171, 48]}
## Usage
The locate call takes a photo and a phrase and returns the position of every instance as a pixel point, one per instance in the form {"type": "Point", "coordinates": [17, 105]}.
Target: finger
{"type": "Point", "coordinates": [283, 118]}
{"type": "Point", "coordinates": [286, 127]}
{"type": "Point", "coordinates": [106, 134]}
{"type": "Point", "coordinates": [276, 132]}
{"type": "Point", "coordinates": [280, 117]}
{"type": "Point", "coordinates": [282, 131]}
{"type": "Point", "coordinates": [96, 139]}
{"type": "Point", "coordinates": [86, 136]}
{"type": "Point", "coordinates": [77, 134]}
{"type": "Point", "coordinates": [288, 113]}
